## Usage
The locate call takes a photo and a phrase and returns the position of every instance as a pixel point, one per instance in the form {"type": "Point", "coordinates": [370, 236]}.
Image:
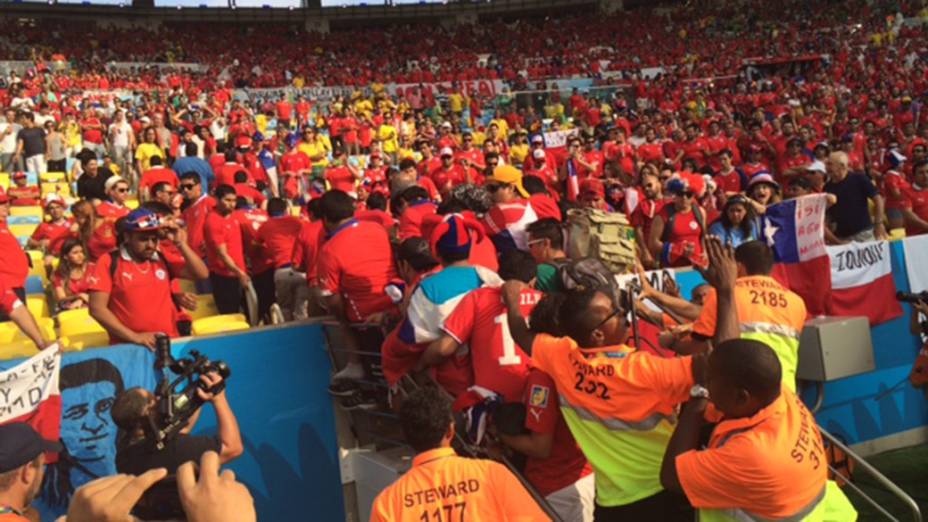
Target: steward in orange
{"type": "Point", "coordinates": [442, 486]}
{"type": "Point", "coordinates": [766, 310]}
{"type": "Point", "coordinates": [765, 459]}
{"type": "Point", "coordinates": [619, 404]}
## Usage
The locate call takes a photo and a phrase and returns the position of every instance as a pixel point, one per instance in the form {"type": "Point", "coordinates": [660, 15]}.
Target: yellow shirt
{"type": "Point", "coordinates": [387, 135]}
{"type": "Point", "coordinates": [503, 126]}
{"type": "Point", "coordinates": [518, 153]}
{"type": "Point", "coordinates": [456, 102]}
{"type": "Point", "coordinates": [145, 152]}
{"type": "Point", "coordinates": [316, 148]}
{"type": "Point", "coordinates": [479, 138]}
{"type": "Point", "coordinates": [261, 123]}
{"type": "Point", "coordinates": [72, 133]}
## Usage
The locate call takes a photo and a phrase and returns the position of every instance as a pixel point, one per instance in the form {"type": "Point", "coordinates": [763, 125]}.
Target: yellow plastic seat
{"type": "Point", "coordinates": [38, 306]}
{"type": "Point", "coordinates": [17, 349]}
{"type": "Point", "coordinates": [220, 323]}
{"type": "Point", "coordinates": [26, 211]}
{"type": "Point", "coordinates": [53, 177]}
{"type": "Point", "coordinates": [38, 265]}
{"type": "Point", "coordinates": [206, 307]}
{"type": "Point", "coordinates": [5, 180]}
{"type": "Point", "coordinates": [62, 188]}
{"type": "Point", "coordinates": [896, 233]}
{"type": "Point", "coordinates": [8, 332]}
{"type": "Point", "coordinates": [81, 330]}
{"type": "Point", "coordinates": [11, 334]}
{"type": "Point", "coordinates": [22, 230]}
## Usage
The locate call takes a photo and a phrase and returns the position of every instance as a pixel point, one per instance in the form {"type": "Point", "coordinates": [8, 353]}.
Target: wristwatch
{"type": "Point", "coordinates": [699, 391]}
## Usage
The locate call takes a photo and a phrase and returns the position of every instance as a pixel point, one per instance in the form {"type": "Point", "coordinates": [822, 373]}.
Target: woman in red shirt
{"type": "Point", "coordinates": [71, 278]}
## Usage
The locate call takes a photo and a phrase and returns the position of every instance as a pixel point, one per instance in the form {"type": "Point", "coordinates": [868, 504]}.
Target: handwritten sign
{"type": "Point", "coordinates": [24, 387]}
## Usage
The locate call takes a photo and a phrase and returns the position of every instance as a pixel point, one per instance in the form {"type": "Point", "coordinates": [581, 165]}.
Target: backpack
{"type": "Point", "coordinates": [588, 272]}
{"type": "Point", "coordinates": [606, 236]}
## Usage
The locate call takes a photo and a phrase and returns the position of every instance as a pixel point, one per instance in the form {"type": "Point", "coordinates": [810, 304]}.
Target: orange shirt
{"type": "Point", "coordinates": [771, 465]}
{"type": "Point", "coordinates": [442, 486]}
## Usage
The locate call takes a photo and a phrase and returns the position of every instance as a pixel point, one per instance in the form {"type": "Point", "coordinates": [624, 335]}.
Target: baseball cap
{"type": "Point", "coordinates": [446, 152]}
{"type": "Point", "coordinates": [20, 444]}
{"type": "Point", "coordinates": [112, 181]}
{"type": "Point", "coordinates": [243, 141]}
{"type": "Point", "coordinates": [446, 124]}
{"type": "Point", "coordinates": [19, 175]}
{"type": "Point", "coordinates": [509, 175]}
{"type": "Point", "coordinates": [763, 177]}
{"type": "Point", "coordinates": [593, 187]}
{"type": "Point", "coordinates": [52, 198]}
{"type": "Point", "coordinates": [141, 220]}
{"type": "Point", "coordinates": [538, 139]}
{"type": "Point", "coordinates": [816, 166]}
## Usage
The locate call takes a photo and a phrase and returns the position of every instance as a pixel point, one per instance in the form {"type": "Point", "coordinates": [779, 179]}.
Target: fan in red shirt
{"type": "Point", "coordinates": [695, 147]}
{"type": "Point", "coordinates": [556, 466]}
{"type": "Point", "coordinates": [616, 150]}
{"type": "Point", "coordinates": [589, 161]}
{"type": "Point", "coordinates": [51, 234]}
{"type": "Point", "coordinates": [131, 293]}
{"type": "Point", "coordinates": [730, 181]}
{"type": "Point", "coordinates": [676, 233]}
{"type": "Point", "coordinates": [470, 157]}
{"type": "Point", "coordinates": [479, 321]}
{"type": "Point", "coordinates": [156, 174]}
{"type": "Point", "coordinates": [651, 151]}
{"type": "Point", "coordinates": [274, 240]}
{"type": "Point", "coordinates": [104, 233]}
{"type": "Point", "coordinates": [916, 215]}
{"type": "Point", "coordinates": [412, 203]}
{"type": "Point", "coordinates": [22, 193]}
{"type": "Point", "coordinates": [793, 162]}
{"type": "Point", "coordinates": [196, 209]}
{"type": "Point", "coordinates": [225, 254]}
{"type": "Point", "coordinates": [14, 263]}
{"type": "Point", "coordinates": [225, 173]}
{"type": "Point", "coordinates": [342, 175]}
{"type": "Point", "coordinates": [284, 112]}
{"type": "Point", "coordinates": [449, 174]}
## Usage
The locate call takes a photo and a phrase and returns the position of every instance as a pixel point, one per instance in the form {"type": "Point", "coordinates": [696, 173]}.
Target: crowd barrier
{"type": "Point", "coordinates": [872, 412]}
{"type": "Point", "coordinates": [278, 393]}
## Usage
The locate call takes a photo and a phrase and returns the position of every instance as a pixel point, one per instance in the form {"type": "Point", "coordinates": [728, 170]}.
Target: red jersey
{"type": "Point", "coordinates": [24, 196]}
{"type": "Point", "coordinates": [566, 464]}
{"type": "Point", "coordinates": [445, 180]}
{"type": "Point", "coordinates": [918, 200]}
{"type": "Point", "coordinates": [284, 109]}
{"type": "Point", "coordinates": [479, 321]}
{"type": "Point", "coordinates": [591, 157]}
{"type": "Point", "coordinates": [140, 294]}
{"type": "Point", "coordinates": [223, 230]}
{"type": "Point", "coordinates": [249, 221]}
{"type": "Point", "coordinates": [14, 264]}
{"type": "Point", "coordinates": [306, 249]}
{"type": "Point", "coordinates": [412, 216]}
{"type": "Point", "coordinates": [359, 275]}
{"type": "Point", "coordinates": [157, 175]}
{"type": "Point", "coordinates": [195, 217]}
{"type": "Point", "coordinates": [340, 178]}
{"type": "Point", "coordinates": [894, 189]}
{"type": "Point", "coordinates": [545, 206]}
{"type": "Point", "coordinates": [380, 217]}
{"type": "Point", "coordinates": [733, 181]}
{"type": "Point", "coordinates": [695, 150]}
{"type": "Point", "coordinates": [652, 152]}
{"type": "Point", "coordinates": [111, 211]}
{"type": "Point", "coordinates": [225, 174]}
{"type": "Point", "coordinates": [685, 231]}
{"type": "Point", "coordinates": [276, 238]}
{"type": "Point", "coordinates": [295, 161]}
{"type": "Point", "coordinates": [55, 233]}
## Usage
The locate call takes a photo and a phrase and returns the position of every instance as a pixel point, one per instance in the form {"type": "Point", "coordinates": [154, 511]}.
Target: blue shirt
{"type": "Point", "coordinates": [733, 236]}
{"type": "Point", "coordinates": [195, 164]}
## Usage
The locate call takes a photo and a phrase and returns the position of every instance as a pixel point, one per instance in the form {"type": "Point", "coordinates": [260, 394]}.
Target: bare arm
{"type": "Point", "coordinates": [223, 252]}
{"type": "Point", "coordinates": [518, 328]}
{"type": "Point", "coordinates": [229, 434]}
{"type": "Point", "coordinates": [655, 245]}
{"type": "Point", "coordinates": [439, 350]}
{"type": "Point", "coordinates": [24, 320]}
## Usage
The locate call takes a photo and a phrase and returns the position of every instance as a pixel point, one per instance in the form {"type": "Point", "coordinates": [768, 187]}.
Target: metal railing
{"type": "Point", "coordinates": [883, 481]}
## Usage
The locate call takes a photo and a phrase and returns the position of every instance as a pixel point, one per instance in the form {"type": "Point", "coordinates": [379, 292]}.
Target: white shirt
{"type": "Point", "coordinates": [119, 134]}
{"type": "Point", "coordinates": [8, 142]}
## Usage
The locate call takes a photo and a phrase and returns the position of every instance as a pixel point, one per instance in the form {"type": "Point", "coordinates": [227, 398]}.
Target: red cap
{"type": "Point", "coordinates": [19, 175]}
{"type": "Point", "coordinates": [593, 187]}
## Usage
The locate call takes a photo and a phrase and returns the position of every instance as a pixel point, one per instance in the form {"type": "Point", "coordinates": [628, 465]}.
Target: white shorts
{"type": "Point", "coordinates": [575, 503]}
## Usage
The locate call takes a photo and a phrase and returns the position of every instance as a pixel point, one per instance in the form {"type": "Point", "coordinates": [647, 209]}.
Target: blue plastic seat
{"type": "Point", "coordinates": [34, 285]}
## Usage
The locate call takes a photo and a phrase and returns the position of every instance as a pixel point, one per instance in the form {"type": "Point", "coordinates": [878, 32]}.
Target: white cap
{"type": "Point", "coordinates": [538, 139]}
{"type": "Point", "coordinates": [446, 152]}
{"type": "Point", "coordinates": [816, 166]}
{"type": "Point", "coordinates": [112, 181]}
{"type": "Point", "coordinates": [538, 154]}
{"type": "Point", "coordinates": [446, 124]}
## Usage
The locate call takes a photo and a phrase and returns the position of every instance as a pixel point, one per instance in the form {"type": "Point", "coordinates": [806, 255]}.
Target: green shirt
{"type": "Point", "coordinates": [548, 281]}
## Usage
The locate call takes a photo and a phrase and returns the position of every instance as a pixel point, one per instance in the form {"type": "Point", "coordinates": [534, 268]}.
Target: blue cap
{"type": "Point", "coordinates": [20, 444]}
{"type": "Point", "coordinates": [141, 220]}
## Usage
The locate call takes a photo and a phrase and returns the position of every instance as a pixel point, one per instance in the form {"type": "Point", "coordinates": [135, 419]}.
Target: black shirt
{"type": "Point", "coordinates": [851, 214]}
{"type": "Point", "coordinates": [92, 187]}
{"type": "Point", "coordinates": [33, 141]}
{"type": "Point", "coordinates": [140, 457]}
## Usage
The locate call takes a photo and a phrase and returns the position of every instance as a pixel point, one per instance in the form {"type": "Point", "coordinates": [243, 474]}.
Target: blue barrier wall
{"type": "Point", "coordinates": [277, 391]}
{"type": "Point", "coordinates": [853, 408]}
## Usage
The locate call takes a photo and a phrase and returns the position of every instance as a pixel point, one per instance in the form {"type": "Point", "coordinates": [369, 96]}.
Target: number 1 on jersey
{"type": "Point", "coordinates": [509, 357]}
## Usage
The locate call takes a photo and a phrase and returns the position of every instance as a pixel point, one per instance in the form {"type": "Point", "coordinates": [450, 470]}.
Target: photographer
{"type": "Point", "coordinates": [136, 411]}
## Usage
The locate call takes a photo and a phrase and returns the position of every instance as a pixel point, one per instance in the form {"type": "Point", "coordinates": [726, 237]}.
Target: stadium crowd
{"type": "Point", "coordinates": [431, 225]}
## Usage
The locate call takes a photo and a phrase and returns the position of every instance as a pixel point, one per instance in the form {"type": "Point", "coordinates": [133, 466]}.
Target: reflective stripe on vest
{"type": "Point", "coordinates": [647, 424]}
{"type": "Point", "coordinates": [740, 515]}
{"type": "Point", "coordinates": [770, 328]}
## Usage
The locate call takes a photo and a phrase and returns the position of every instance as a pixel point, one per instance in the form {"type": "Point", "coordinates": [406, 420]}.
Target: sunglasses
{"type": "Point", "coordinates": [187, 186]}
{"type": "Point", "coordinates": [149, 238]}
{"type": "Point", "coordinates": [686, 194]}
{"type": "Point", "coordinates": [122, 189]}
{"type": "Point", "coordinates": [617, 312]}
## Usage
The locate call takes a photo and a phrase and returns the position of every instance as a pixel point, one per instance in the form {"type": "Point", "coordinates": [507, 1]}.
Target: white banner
{"type": "Point", "coordinates": [24, 387]}
{"type": "Point", "coordinates": [485, 88]}
{"type": "Point", "coordinates": [661, 280]}
{"type": "Point", "coordinates": [558, 138]}
{"type": "Point", "coordinates": [810, 226]}
{"type": "Point", "coordinates": [858, 264]}
{"type": "Point", "coordinates": [916, 262]}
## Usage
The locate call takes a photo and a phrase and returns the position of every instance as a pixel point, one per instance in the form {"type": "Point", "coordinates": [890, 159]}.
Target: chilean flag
{"type": "Point", "coordinates": [573, 182]}
{"type": "Point", "coordinates": [795, 230]}
{"type": "Point", "coordinates": [29, 393]}
{"type": "Point", "coordinates": [862, 282]}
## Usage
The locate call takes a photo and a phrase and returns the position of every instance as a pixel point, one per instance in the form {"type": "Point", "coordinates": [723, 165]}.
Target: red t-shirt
{"type": "Point", "coordinates": [295, 162]}
{"type": "Point", "coordinates": [545, 206]}
{"type": "Point", "coordinates": [55, 233]}
{"type": "Point", "coordinates": [306, 249]}
{"type": "Point", "coordinates": [9, 301]}
{"type": "Point", "coordinates": [157, 175]}
{"type": "Point", "coordinates": [276, 238]}
{"type": "Point", "coordinates": [223, 230]}
{"type": "Point", "coordinates": [359, 275]}
{"type": "Point", "coordinates": [380, 217]}
{"type": "Point", "coordinates": [918, 199]}
{"type": "Point", "coordinates": [24, 196]}
{"type": "Point", "coordinates": [411, 219]}
{"type": "Point", "coordinates": [225, 174]}
{"type": "Point", "coordinates": [249, 221]}
{"type": "Point", "coordinates": [651, 152]}
{"type": "Point", "coordinates": [92, 135]}
{"type": "Point", "coordinates": [14, 265]}
{"type": "Point", "coordinates": [685, 232]}
{"type": "Point", "coordinates": [140, 294]}
{"type": "Point", "coordinates": [340, 178]}
{"type": "Point", "coordinates": [195, 217]}
{"type": "Point", "coordinates": [284, 108]}
{"type": "Point", "coordinates": [75, 286]}
{"type": "Point", "coordinates": [566, 464]}
{"type": "Point", "coordinates": [479, 321]}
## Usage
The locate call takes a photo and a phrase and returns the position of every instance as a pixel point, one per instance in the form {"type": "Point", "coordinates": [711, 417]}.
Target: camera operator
{"type": "Point", "coordinates": [136, 412]}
